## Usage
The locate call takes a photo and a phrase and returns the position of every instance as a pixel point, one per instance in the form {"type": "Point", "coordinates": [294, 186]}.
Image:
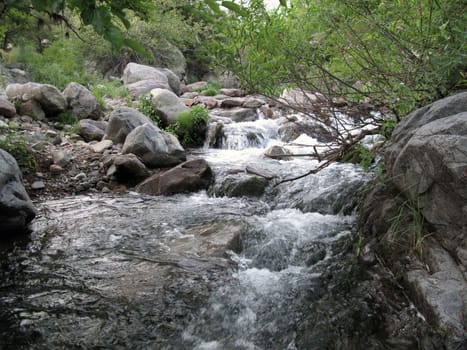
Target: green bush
{"type": "Point", "coordinates": [59, 64]}
{"type": "Point", "coordinates": [109, 89]}
{"type": "Point", "coordinates": [191, 126]}
{"type": "Point", "coordinates": [145, 106]}
{"type": "Point", "coordinates": [358, 154]}
{"type": "Point", "coordinates": [19, 149]}
{"type": "Point", "coordinates": [211, 89]}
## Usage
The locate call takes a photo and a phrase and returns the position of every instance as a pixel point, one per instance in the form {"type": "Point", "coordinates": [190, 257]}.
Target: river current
{"type": "Point", "coordinates": [190, 271]}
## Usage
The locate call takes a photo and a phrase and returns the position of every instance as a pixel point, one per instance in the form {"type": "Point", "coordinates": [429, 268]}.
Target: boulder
{"type": "Point", "coordinates": [302, 98]}
{"type": "Point", "coordinates": [232, 92]}
{"type": "Point", "coordinates": [129, 169]}
{"type": "Point", "coordinates": [16, 209]}
{"type": "Point", "coordinates": [31, 108]}
{"type": "Point", "coordinates": [277, 152]}
{"type": "Point", "coordinates": [173, 79]}
{"type": "Point", "coordinates": [92, 130]}
{"type": "Point", "coordinates": [193, 175]}
{"type": "Point", "coordinates": [198, 86]}
{"type": "Point", "coordinates": [167, 104]}
{"type": "Point", "coordinates": [292, 127]}
{"type": "Point", "coordinates": [142, 79]}
{"type": "Point", "coordinates": [7, 109]}
{"type": "Point", "coordinates": [232, 102]}
{"type": "Point", "coordinates": [251, 102]}
{"type": "Point", "coordinates": [81, 101]}
{"type": "Point", "coordinates": [237, 114]}
{"type": "Point", "coordinates": [155, 148]}
{"type": "Point", "coordinates": [50, 99]}
{"type": "Point", "coordinates": [134, 72]}
{"type": "Point", "coordinates": [427, 161]}
{"type": "Point", "coordinates": [142, 87]}
{"type": "Point", "coordinates": [122, 121]}
{"type": "Point", "coordinates": [101, 146]}
{"type": "Point", "coordinates": [240, 185]}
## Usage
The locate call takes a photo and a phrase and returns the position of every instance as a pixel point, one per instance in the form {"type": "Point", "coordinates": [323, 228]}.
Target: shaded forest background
{"type": "Point", "coordinates": [394, 54]}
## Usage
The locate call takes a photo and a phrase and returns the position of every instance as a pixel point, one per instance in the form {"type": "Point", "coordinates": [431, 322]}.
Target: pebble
{"type": "Point", "coordinates": [61, 158]}
{"type": "Point", "coordinates": [101, 146]}
{"type": "Point", "coordinates": [38, 185]}
{"type": "Point", "coordinates": [55, 169]}
{"type": "Point", "coordinates": [80, 176]}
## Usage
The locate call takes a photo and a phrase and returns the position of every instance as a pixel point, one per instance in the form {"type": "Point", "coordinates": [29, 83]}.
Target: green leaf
{"type": "Point", "coordinates": [283, 3]}
{"type": "Point", "coordinates": [101, 20]}
{"type": "Point", "coordinates": [137, 46]}
{"type": "Point", "coordinates": [234, 8]}
{"type": "Point", "coordinates": [115, 36]}
{"type": "Point", "coordinates": [40, 5]}
{"type": "Point", "coordinates": [213, 5]}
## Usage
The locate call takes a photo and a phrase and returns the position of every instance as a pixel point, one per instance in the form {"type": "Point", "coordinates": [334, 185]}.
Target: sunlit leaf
{"type": "Point", "coordinates": [234, 8]}
{"type": "Point", "coordinates": [213, 5]}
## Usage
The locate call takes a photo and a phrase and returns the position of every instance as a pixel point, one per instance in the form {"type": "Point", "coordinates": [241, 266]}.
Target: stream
{"type": "Point", "coordinates": [190, 271]}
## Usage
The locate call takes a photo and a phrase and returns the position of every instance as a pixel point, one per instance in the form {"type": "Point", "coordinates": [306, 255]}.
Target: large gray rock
{"type": "Point", "coordinates": [292, 127]}
{"type": "Point", "coordinates": [173, 79]}
{"type": "Point", "coordinates": [129, 169]}
{"type": "Point", "coordinates": [155, 148]}
{"type": "Point", "coordinates": [240, 185]}
{"type": "Point", "coordinates": [134, 72]}
{"type": "Point", "coordinates": [191, 176]}
{"type": "Point", "coordinates": [7, 109]}
{"type": "Point", "coordinates": [81, 101]}
{"type": "Point", "coordinates": [122, 121]}
{"type": "Point", "coordinates": [167, 104]}
{"type": "Point", "coordinates": [427, 161]}
{"type": "Point", "coordinates": [237, 114]}
{"type": "Point", "coordinates": [50, 99]}
{"type": "Point", "coordinates": [142, 87]}
{"type": "Point", "coordinates": [16, 209]}
{"type": "Point", "coordinates": [141, 79]}
{"type": "Point", "coordinates": [406, 128]}
{"type": "Point", "coordinates": [92, 130]}
{"type": "Point", "coordinates": [441, 293]}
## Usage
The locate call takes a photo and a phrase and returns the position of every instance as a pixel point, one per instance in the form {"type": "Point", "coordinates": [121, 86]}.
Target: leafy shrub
{"type": "Point", "coordinates": [110, 89]}
{"type": "Point", "coordinates": [59, 64]}
{"type": "Point", "coordinates": [145, 106]}
{"type": "Point", "coordinates": [211, 89]}
{"type": "Point", "coordinates": [388, 127]}
{"type": "Point", "coordinates": [190, 127]}
{"type": "Point", "coordinates": [358, 154]}
{"type": "Point", "coordinates": [19, 149]}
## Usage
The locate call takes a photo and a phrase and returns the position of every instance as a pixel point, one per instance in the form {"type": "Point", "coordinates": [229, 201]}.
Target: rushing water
{"type": "Point", "coordinates": [190, 271]}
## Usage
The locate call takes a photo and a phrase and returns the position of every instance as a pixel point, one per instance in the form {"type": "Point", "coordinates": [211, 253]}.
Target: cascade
{"type": "Point", "coordinates": [190, 271]}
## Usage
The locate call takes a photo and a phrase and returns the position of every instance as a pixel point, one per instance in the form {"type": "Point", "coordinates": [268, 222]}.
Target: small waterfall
{"type": "Point", "coordinates": [256, 134]}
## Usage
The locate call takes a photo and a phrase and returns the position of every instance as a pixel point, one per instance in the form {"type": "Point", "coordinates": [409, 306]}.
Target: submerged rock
{"type": "Point", "coordinates": [16, 209]}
